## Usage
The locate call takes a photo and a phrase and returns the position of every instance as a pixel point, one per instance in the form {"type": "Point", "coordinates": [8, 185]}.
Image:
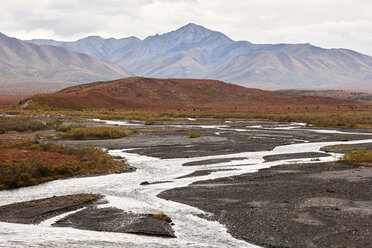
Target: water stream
{"type": "Point", "coordinates": [125, 192]}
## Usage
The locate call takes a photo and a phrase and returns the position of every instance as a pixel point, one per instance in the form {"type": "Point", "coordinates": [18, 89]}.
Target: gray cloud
{"type": "Point", "coordinates": [326, 23]}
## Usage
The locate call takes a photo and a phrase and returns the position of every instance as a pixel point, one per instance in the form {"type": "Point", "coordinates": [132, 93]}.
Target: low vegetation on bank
{"type": "Point", "coordinates": [353, 118]}
{"type": "Point", "coordinates": [25, 163]}
{"type": "Point", "coordinates": [95, 133]}
{"type": "Point", "coordinates": [20, 124]}
{"type": "Point", "coordinates": [358, 158]}
{"type": "Point", "coordinates": [193, 135]}
{"type": "Point", "coordinates": [162, 216]}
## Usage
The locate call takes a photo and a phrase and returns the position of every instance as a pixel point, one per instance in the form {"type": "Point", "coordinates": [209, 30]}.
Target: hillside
{"type": "Point", "coordinates": [22, 63]}
{"type": "Point", "coordinates": [193, 51]}
{"type": "Point", "coordinates": [139, 93]}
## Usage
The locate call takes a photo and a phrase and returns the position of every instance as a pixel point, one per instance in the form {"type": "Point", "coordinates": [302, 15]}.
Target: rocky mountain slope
{"type": "Point", "coordinates": [22, 63]}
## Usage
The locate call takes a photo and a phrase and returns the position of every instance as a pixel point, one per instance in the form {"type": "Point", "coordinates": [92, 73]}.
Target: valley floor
{"type": "Point", "coordinates": [267, 183]}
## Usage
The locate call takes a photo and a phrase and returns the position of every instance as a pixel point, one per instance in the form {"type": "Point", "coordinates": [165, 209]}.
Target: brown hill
{"type": "Point", "coordinates": [6, 101]}
{"type": "Point", "coordinates": [138, 93]}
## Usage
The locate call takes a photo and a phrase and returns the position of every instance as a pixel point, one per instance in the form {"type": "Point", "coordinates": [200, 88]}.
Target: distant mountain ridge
{"type": "Point", "coordinates": [356, 96]}
{"type": "Point", "coordinates": [23, 63]}
{"type": "Point", "coordinates": [193, 51]}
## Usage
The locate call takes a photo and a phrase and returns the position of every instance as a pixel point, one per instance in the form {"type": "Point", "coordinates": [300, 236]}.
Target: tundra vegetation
{"type": "Point", "coordinates": [193, 135]}
{"type": "Point", "coordinates": [363, 158]}
{"type": "Point", "coordinates": [355, 118]}
{"type": "Point", "coordinates": [95, 133]}
{"type": "Point", "coordinates": [20, 124]}
{"type": "Point", "coordinates": [27, 162]}
{"type": "Point", "coordinates": [162, 216]}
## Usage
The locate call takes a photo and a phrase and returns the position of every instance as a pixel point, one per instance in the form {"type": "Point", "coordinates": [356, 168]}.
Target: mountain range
{"type": "Point", "coordinates": [25, 67]}
{"type": "Point", "coordinates": [193, 51]}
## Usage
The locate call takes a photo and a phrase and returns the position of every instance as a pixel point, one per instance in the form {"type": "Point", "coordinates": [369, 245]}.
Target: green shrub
{"type": "Point", "coordinates": [358, 157]}
{"type": "Point", "coordinates": [63, 128]}
{"type": "Point", "coordinates": [37, 135]}
{"type": "Point", "coordinates": [24, 173]}
{"type": "Point", "coordinates": [21, 124]}
{"type": "Point", "coordinates": [149, 122]}
{"type": "Point", "coordinates": [66, 128]}
{"type": "Point", "coordinates": [94, 133]}
{"type": "Point", "coordinates": [162, 216]}
{"type": "Point", "coordinates": [31, 171]}
{"type": "Point", "coordinates": [194, 135]}
{"type": "Point", "coordinates": [55, 123]}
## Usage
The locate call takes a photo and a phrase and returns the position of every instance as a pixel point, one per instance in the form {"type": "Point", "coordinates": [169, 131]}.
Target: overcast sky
{"type": "Point", "coordinates": [325, 23]}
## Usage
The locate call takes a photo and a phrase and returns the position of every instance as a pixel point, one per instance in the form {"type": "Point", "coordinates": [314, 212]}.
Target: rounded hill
{"type": "Point", "coordinates": [139, 93]}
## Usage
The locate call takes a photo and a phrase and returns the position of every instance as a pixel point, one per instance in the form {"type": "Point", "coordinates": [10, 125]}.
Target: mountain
{"type": "Point", "coordinates": [22, 63]}
{"type": "Point", "coordinates": [138, 93]}
{"type": "Point", "coordinates": [92, 45]}
{"type": "Point", "coordinates": [193, 51]}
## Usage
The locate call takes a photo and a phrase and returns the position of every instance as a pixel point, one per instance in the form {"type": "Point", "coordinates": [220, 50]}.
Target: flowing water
{"type": "Point", "coordinates": [125, 192]}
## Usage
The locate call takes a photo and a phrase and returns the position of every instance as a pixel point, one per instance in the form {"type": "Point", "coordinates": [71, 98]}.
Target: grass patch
{"type": "Point", "coordinates": [193, 135]}
{"type": "Point", "coordinates": [162, 216]}
{"type": "Point", "coordinates": [149, 122]}
{"type": "Point", "coordinates": [358, 158]}
{"type": "Point", "coordinates": [25, 163]}
{"type": "Point", "coordinates": [94, 133]}
{"type": "Point", "coordinates": [65, 128]}
{"type": "Point", "coordinates": [20, 124]}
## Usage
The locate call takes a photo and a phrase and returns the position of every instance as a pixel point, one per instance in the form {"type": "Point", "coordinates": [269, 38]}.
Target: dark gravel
{"type": "Point", "coordinates": [35, 212]}
{"type": "Point", "coordinates": [116, 220]}
{"type": "Point", "coordinates": [176, 144]}
{"type": "Point", "coordinates": [201, 173]}
{"type": "Point", "coordinates": [313, 205]}
{"type": "Point", "coordinates": [294, 156]}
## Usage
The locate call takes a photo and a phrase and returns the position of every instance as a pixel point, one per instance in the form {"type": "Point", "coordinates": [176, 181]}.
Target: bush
{"type": "Point", "coordinates": [24, 173]}
{"type": "Point", "coordinates": [55, 123]}
{"type": "Point", "coordinates": [63, 128]}
{"type": "Point", "coordinates": [358, 158]}
{"type": "Point", "coordinates": [162, 216]}
{"type": "Point", "coordinates": [66, 128]}
{"type": "Point", "coordinates": [35, 170]}
{"type": "Point", "coordinates": [37, 135]}
{"type": "Point", "coordinates": [149, 122]}
{"type": "Point", "coordinates": [93, 133]}
{"type": "Point", "coordinates": [194, 135]}
{"type": "Point", "coordinates": [20, 124]}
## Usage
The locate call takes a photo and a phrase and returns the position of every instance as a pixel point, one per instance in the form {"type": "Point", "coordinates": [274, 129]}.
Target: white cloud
{"type": "Point", "coordinates": [327, 23]}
